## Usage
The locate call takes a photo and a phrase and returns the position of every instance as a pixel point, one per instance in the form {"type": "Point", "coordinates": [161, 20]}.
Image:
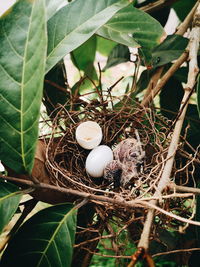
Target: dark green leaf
{"type": "Point", "coordinates": [192, 120]}
{"type": "Point", "coordinates": [53, 6]}
{"type": "Point", "coordinates": [9, 201]}
{"type": "Point", "coordinates": [83, 57]}
{"type": "Point", "coordinates": [55, 91]}
{"type": "Point", "coordinates": [133, 27]}
{"type": "Point", "coordinates": [144, 79]}
{"type": "Point", "coordinates": [22, 61]}
{"type": "Point", "coordinates": [46, 239]}
{"type": "Point", "coordinates": [183, 7]}
{"type": "Point", "coordinates": [169, 50]}
{"type": "Point", "coordinates": [105, 46]}
{"type": "Point", "coordinates": [181, 74]}
{"type": "Point", "coordinates": [119, 54]}
{"type": "Point", "coordinates": [85, 18]}
{"type": "Point", "coordinates": [198, 94]}
{"type": "Point", "coordinates": [161, 15]}
{"type": "Point", "coordinates": [170, 98]}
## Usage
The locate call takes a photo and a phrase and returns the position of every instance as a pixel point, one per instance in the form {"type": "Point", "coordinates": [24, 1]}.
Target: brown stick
{"type": "Point", "coordinates": [157, 5]}
{"type": "Point", "coordinates": [165, 78]}
{"type": "Point", "coordinates": [165, 177]}
{"type": "Point", "coordinates": [153, 88]}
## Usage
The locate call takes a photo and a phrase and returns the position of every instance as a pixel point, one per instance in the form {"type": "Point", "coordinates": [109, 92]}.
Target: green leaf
{"type": "Point", "coordinates": [22, 62]}
{"type": "Point", "coordinates": [53, 6]}
{"type": "Point", "coordinates": [76, 23]}
{"type": "Point", "coordinates": [169, 50]}
{"type": "Point", "coordinates": [198, 94]}
{"type": "Point", "coordinates": [181, 74]}
{"type": "Point", "coordinates": [119, 54]}
{"type": "Point", "coordinates": [171, 97]}
{"type": "Point", "coordinates": [192, 121]}
{"type": "Point", "coordinates": [55, 91]}
{"type": "Point", "coordinates": [183, 7]}
{"type": "Point", "coordinates": [105, 46]}
{"type": "Point", "coordinates": [9, 200]}
{"type": "Point", "coordinates": [133, 27]}
{"type": "Point", "coordinates": [83, 56]}
{"type": "Point", "coordinates": [46, 239]}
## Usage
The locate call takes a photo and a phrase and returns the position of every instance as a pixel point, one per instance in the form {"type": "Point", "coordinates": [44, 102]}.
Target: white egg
{"type": "Point", "coordinates": [97, 160]}
{"type": "Point", "coordinates": [89, 134]}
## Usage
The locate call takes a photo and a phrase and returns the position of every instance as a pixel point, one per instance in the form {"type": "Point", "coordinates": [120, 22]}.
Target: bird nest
{"type": "Point", "coordinates": [66, 159]}
{"type": "Point", "coordinates": [66, 167]}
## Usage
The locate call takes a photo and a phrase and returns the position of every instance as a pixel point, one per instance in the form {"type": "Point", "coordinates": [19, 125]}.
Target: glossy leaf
{"type": "Point", "coordinates": [22, 62]}
{"type": "Point", "coordinates": [105, 46]}
{"type": "Point", "coordinates": [198, 94]}
{"type": "Point", "coordinates": [46, 239]}
{"type": "Point", "coordinates": [55, 89]}
{"type": "Point", "coordinates": [169, 50]}
{"type": "Point", "coordinates": [53, 6]}
{"type": "Point", "coordinates": [192, 121]}
{"type": "Point", "coordinates": [119, 54]}
{"type": "Point", "coordinates": [133, 27]}
{"type": "Point", "coordinates": [83, 57]}
{"type": "Point", "coordinates": [76, 23]}
{"type": "Point", "coordinates": [171, 97]}
{"type": "Point", "coordinates": [9, 200]}
{"type": "Point", "coordinates": [183, 7]}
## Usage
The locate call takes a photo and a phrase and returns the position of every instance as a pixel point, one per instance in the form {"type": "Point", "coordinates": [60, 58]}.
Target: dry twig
{"type": "Point", "coordinates": [165, 177]}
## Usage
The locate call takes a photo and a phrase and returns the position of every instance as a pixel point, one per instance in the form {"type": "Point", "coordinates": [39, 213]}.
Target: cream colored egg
{"type": "Point", "coordinates": [89, 134]}
{"type": "Point", "coordinates": [97, 160]}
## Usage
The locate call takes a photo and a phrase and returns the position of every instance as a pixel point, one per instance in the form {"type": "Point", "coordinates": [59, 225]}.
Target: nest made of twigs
{"type": "Point", "coordinates": [66, 159]}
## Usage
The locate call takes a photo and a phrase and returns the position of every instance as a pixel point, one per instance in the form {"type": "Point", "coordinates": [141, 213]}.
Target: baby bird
{"type": "Point", "coordinates": [128, 158]}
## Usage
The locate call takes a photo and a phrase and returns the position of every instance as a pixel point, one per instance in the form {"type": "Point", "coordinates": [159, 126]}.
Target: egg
{"type": "Point", "coordinates": [97, 160]}
{"type": "Point", "coordinates": [88, 134]}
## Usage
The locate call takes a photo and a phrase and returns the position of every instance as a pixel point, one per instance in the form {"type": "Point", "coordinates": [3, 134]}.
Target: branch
{"type": "Point", "coordinates": [178, 188]}
{"type": "Point", "coordinates": [165, 177]}
{"type": "Point", "coordinates": [165, 78]}
{"type": "Point", "coordinates": [153, 88]}
{"type": "Point", "coordinates": [157, 5]}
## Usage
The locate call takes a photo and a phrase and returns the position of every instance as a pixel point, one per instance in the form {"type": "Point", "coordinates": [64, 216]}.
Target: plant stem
{"type": "Point", "coordinates": [157, 5]}
{"type": "Point", "coordinates": [154, 87]}
{"type": "Point", "coordinates": [165, 78]}
{"type": "Point", "coordinates": [165, 177]}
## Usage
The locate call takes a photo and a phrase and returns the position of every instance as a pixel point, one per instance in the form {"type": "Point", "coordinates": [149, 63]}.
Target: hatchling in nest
{"type": "Point", "coordinates": [128, 160]}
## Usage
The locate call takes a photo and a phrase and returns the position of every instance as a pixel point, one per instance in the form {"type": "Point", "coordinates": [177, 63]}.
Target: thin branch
{"type": "Point", "coordinates": [165, 78]}
{"type": "Point", "coordinates": [182, 28]}
{"type": "Point", "coordinates": [154, 87]}
{"type": "Point", "coordinates": [118, 201]}
{"type": "Point", "coordinates": [157, 5]}
{"type": "Point", "coordinates": [178, 188]}
{"type": "Point", "coordinates": [165, 177]}
{"type": "Point", "coordinates": [176, 251]}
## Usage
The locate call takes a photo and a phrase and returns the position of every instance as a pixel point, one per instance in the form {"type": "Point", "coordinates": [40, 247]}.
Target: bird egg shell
{"type": "Point", "coordinates": [97, 160]}
{"type": "Point", "coordinates": [88, 134]}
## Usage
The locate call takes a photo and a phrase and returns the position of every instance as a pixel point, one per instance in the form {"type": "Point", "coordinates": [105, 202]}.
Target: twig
{"type": "Point", "coordinates": [165, 78]}
{"type": "Point", "coordinates": [165, 177]}
{"type": "Point", "coordinates": [157, 5]}
{"type": "Point", "coordinates": [178, 188]}
{"type": "Point", "coordinates": [182, 28]}
{"type": "Point", "coordinates": [153, 88]}
{"type": "Point", "coordinates": [176, 251]}
{"type": "Point", "coordinates": [118, 201]}
{"type": "Point", "coordinates": [153, 81]}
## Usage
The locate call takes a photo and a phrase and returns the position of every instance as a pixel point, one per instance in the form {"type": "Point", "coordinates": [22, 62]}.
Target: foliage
{"type": "Point", "coordinates": [48, 237]}
{"type": "Point", "coordinates": [35, 37]}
